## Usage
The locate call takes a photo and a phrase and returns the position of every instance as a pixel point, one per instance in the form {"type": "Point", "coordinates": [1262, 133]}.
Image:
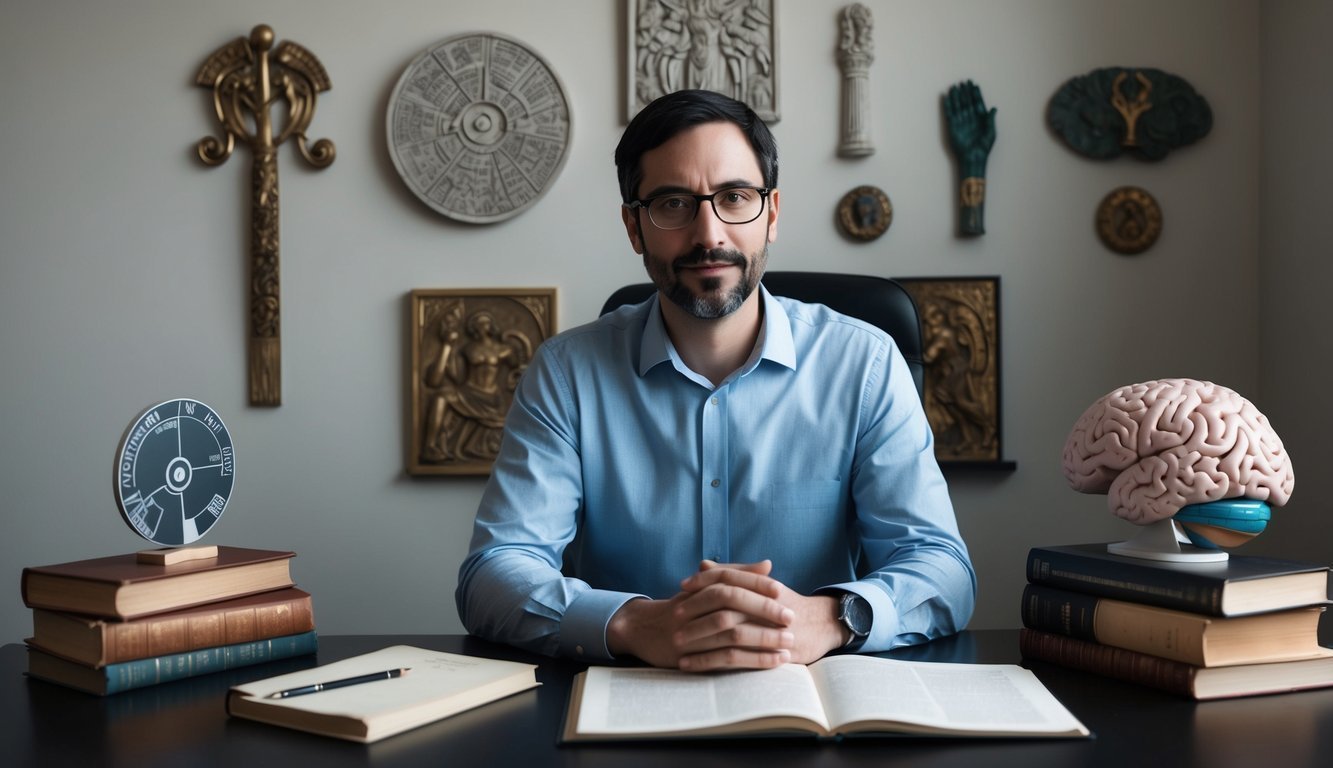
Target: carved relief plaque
{"type": "Point", "coordinates": [479, 127]}
{"type": "Point", "coordinates": [469, 348]}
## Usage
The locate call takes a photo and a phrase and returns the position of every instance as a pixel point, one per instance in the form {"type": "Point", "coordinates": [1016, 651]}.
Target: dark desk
{"type": "Point", "coordinates": [184, 723]}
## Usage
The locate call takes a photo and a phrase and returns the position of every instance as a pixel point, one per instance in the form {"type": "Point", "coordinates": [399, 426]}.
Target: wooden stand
{"type": "Point", "coordinates": [173, 555]}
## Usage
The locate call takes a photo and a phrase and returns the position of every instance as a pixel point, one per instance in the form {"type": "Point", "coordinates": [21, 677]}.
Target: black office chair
{"type": "Point", "coordinates": [876, 300]}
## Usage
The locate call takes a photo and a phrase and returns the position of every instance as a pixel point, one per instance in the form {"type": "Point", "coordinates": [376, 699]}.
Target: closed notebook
{"type": "Point", "coordinates": [437, 685]}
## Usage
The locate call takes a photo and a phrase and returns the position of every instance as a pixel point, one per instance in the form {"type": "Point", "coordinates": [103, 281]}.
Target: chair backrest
{"type": "Point", "coordinates": [879, 301]}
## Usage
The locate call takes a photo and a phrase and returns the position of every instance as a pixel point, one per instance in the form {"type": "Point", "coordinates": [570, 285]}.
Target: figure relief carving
{"type": "Point", "coordinates": [469, 353]}
{"type": "Point", "coordinates": [728, 46]}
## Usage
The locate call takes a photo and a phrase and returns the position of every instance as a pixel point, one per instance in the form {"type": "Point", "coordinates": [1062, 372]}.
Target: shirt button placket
{"type": "Point", "coordinates": [714, 466]}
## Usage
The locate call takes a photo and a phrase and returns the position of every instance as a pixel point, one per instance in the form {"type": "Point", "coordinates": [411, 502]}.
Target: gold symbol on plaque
{"type": "Point", "coordinates": [1129, 220]}
{"type": "Point", "coordinates": [865, 212]}
{"type": "Point", "coordinates": [250, 78]}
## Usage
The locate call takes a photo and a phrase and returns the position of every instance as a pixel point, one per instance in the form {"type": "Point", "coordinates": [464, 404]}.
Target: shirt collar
{"type": "Point", "coordinates": [774, 343]}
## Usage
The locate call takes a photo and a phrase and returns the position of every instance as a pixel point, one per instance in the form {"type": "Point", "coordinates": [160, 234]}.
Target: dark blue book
{"type": "Point", "coordinates": [1240, 585]}
{"type": "Point", "coordinates": [140, 673]}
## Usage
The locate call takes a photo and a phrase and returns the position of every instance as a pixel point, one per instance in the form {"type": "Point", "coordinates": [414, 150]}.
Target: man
{"type": "Point", "coordinates": [732, 480]}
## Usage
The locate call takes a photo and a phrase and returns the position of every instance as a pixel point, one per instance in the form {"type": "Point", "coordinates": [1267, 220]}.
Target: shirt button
{"type": "Point", "coordinates": [715, 482]}
{"type": "Point", "coordinates": [715, 401]}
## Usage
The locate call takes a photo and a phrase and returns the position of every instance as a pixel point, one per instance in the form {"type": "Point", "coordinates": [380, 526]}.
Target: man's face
{"type": "Point", "coordinates": [708, 268]}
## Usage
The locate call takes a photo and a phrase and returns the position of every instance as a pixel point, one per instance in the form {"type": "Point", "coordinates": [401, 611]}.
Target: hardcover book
{"type": "Point", "coordinates": [1193, 638]}
{"type": "Point", "coordinates": [141, 673]}
{"type": "Point", "coordinates": [121, 587]}
{"type": "Point", "coordinates": [436, 685]}
{"type": "Point", "coordinates": [837, 695]}
{"type": "Point", "coordinates": [1239, 585]}
{"type": "Point", "coordinates": [97, 642]}
{"type": "Point", "coordinates": [1176, 677]}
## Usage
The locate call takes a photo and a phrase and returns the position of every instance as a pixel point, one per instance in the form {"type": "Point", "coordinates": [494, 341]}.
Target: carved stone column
{"type": "Point", "coordinates": [855, 54]}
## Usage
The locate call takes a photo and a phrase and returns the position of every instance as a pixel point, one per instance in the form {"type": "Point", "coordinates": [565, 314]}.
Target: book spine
{"type": "Point", "coordinates": [167, 635]}
{"type": "Point", "coordinates": [1139, 668]}
{"type": "Point", "coordinates": [163, 669]}
{"type": "Point", "coordinates": [1124, 581]}
{"type": "Point", "coordinates": [1072, 614]}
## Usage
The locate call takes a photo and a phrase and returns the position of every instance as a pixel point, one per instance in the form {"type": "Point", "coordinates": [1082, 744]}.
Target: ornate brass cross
{"type": "Point", "coordinates": [247, 81]}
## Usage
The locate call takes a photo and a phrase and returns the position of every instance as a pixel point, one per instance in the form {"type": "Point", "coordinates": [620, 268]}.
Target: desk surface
{"type": "Point", "coordinates": [183, 723]}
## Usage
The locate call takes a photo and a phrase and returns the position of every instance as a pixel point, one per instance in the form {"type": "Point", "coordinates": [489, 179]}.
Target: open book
{"type": "Point", "coordinates": [834, 696]}
{"type": "Point", "coordinates": [437, 685]}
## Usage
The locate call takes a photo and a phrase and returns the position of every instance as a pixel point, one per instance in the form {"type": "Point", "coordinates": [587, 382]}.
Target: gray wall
{"type": "Point", "coordinates": [122, 259]}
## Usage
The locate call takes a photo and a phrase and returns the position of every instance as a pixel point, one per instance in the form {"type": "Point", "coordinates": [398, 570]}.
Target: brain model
{"type": "Point", "coordinates": [1161, 445]}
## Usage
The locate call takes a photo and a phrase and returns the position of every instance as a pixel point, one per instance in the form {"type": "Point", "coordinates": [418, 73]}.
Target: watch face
{"type": "Point", "coordinates": [856, 614]}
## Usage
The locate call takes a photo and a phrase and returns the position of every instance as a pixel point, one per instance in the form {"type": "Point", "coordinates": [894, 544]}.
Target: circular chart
{"type": "Point", "coordinates": [174, 472]}
{"type": "Point", "coordinates": [479, 127]}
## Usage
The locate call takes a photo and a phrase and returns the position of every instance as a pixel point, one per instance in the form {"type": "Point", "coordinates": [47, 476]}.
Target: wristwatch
{"type": "Point", "coordinates": [855, 614]}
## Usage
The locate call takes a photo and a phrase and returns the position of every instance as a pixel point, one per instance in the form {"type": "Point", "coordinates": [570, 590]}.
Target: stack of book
{"type": "Point", "coordinates": [1245, 626]}
{"type": "Point", "coordinates": [116, 623]}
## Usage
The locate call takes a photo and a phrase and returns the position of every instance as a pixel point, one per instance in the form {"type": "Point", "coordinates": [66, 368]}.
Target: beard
{"type": "Point", "coordinates": [712, 301]}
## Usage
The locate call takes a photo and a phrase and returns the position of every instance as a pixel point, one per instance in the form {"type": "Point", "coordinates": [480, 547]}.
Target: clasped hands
{"type": "Point", "coordinates": [728, 616]}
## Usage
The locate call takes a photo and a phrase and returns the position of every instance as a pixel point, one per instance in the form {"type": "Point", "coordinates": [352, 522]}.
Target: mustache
{"type": "Point", "coordinates": [709, 256]}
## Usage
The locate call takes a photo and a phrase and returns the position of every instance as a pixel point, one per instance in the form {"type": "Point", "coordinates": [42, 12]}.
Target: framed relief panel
{"type": "Point", "coordinates": [469, 348]}
{"type": "Point", "coordinates": [960, 329]}
{"type": "Point", "coordinates": [728, 46]}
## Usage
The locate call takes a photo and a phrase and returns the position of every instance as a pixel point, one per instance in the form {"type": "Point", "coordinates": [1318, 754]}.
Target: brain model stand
{"type": "Point", "coordinates": [175, 468]}
{"type": "Point", "coordinates": [1194, 463]}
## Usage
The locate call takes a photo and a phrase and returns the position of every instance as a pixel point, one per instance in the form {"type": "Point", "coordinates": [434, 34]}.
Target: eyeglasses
{"type": "Point", "coordinates": [733, 205]}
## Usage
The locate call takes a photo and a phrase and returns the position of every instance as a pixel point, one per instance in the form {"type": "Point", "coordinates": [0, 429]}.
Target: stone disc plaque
{"type": "Point", "coordinates": [174, 472]}
{"type": "Point", "coordinates": [479, 127]}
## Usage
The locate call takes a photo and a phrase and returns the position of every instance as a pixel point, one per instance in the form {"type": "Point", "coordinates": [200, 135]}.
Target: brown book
{"type": "Point", "coordinates": [1193, 638]}
{"type": "Point", "coordinates": [97, 642]}
{"type": "Point", "coordinates": [121, 587]}
{"type": "Point", "coordinates": [1177, 677]}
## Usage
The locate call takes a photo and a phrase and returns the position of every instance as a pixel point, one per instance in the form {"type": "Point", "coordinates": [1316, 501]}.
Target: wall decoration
{"type": "Point", "coordinates": [479, 127]}
{"type": "Point", "coordinates": [865, 212]}
{"type": "Point", "coordinates": [1145, 112]}
{"type": "Point", "coordinates": [856, 51]}
{"type": "Point", "coordinates": [971, 136]}
{"type": "Point", "coordinates": [960, 327]}
{"type": "Point", "coordinates": [469, 347]}
{"type": "Point", "coordinates": [728, 46]}
{"type": "Point", "coordinates": [248, 82]}
{"type": "Point", "coordinates": [1129, 220]}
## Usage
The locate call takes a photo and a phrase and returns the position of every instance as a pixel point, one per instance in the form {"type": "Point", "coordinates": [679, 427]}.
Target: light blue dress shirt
{"type": "Point", "coordinates": [815, 454]}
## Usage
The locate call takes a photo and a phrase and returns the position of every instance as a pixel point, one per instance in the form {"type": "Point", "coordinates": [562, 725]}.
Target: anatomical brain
{"type": "Point", "coordinates": [1157, 446]}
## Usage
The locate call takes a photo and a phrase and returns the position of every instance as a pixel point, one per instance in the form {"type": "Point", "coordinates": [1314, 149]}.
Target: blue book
{"type": "Point", "coordinates": [140, 673]}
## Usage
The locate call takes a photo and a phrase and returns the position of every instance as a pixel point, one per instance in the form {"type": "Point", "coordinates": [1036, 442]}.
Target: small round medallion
{"type": "Point", "coordinates": [1129, 220]}
{"type": "Point", "coordinates": [865, 213]}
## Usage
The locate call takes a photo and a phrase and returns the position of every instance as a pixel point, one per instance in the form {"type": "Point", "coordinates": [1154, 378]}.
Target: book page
{"type": "Point", "coordinates": [982, 697]}
{"type": "Point", "coordinates": [626, 701]}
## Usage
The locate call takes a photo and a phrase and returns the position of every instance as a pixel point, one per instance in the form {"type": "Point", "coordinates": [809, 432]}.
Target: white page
{"type": "Point", "coordinates": [618, 700]}
{"type": "Point", "coordinates": [993, 697]}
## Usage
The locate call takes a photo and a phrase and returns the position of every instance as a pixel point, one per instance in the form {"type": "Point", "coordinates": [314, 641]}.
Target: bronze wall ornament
{"type": "Point", "coordinates": [728, 46]}
{"type": "Point", "coordinates": [1129, 220]}
{"type": "Point", "coordinates": [971, 136]}
{"type": "Point", "coordinates": [960, 330]}
{"type": "Point", "coordinates": [250, 78]}
{"type": "Point", "coordinates": [865, 212]}
{"type": "Point", "coordinates": [469, 348]}
{"type": "Point", "coordinates": [1116, 110]}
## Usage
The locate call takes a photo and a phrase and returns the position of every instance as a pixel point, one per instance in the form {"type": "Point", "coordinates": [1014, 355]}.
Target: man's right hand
{"type": "Point", "coordinates": [732, 621]}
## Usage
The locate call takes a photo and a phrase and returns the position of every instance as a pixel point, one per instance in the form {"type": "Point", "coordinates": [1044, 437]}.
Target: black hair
{"type": "Point", "coordinates": [668, 115]}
